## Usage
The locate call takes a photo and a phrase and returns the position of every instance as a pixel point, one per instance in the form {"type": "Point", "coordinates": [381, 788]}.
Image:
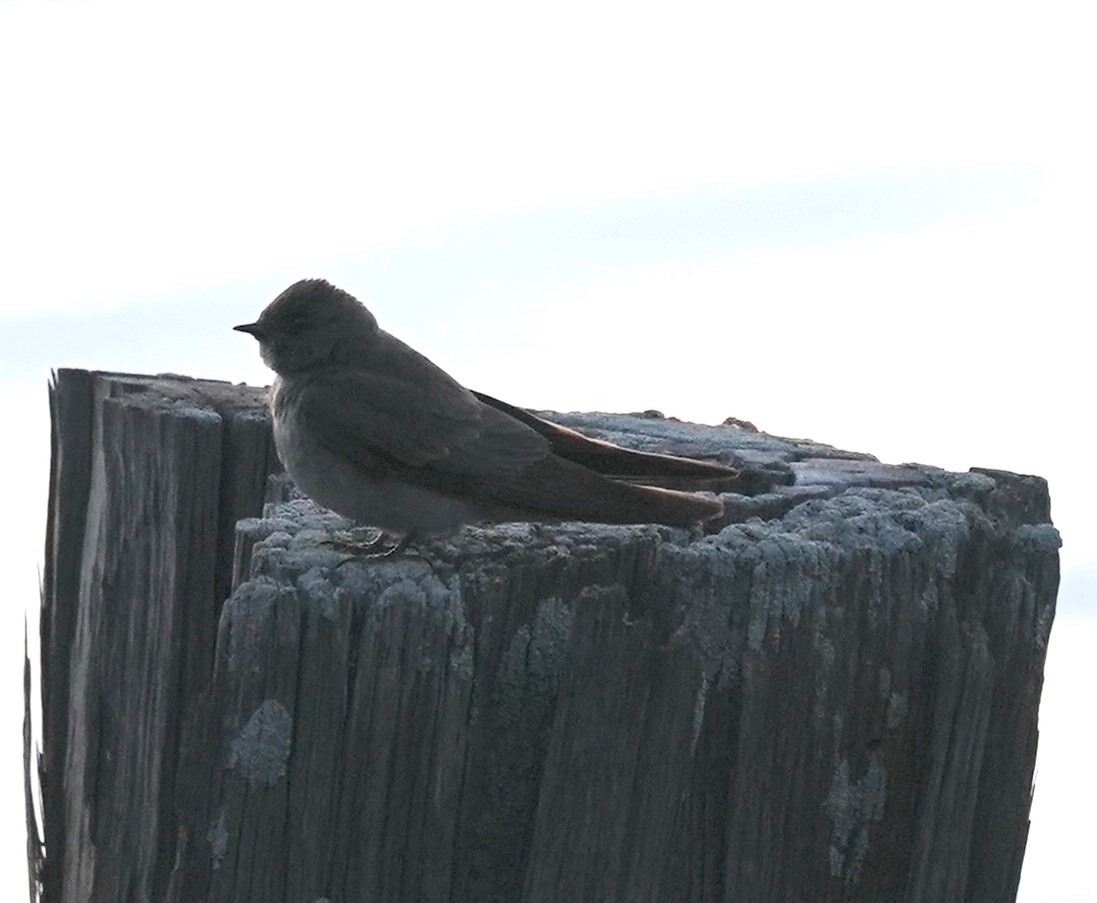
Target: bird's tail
{"type": "Point", "coordinates": [563, 490]}
{"type": "Point", "coordinates": [649, 504]}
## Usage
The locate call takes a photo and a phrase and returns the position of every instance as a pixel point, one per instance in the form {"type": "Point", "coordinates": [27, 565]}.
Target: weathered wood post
{"type": "Point", "coordinates": [832, 698]}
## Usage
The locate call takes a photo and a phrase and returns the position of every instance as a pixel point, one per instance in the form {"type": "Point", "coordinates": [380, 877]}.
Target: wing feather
{"type": "Point", "coordinates": [386, 424]}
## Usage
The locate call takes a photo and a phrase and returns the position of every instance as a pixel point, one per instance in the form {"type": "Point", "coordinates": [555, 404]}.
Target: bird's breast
{"type": "Point", "coordinates": [338, 483]}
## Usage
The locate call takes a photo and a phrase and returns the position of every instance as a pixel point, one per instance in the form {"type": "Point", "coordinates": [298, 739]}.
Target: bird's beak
{"type": "Point", "coordinates": [250, 328]}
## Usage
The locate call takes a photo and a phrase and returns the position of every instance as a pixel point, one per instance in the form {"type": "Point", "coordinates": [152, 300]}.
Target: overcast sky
{"type": "Point", "coordinates": [865, 224]}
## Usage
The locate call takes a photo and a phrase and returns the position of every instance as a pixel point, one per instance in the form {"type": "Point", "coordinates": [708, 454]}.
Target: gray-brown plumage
{"type": "Point", "coordinates": [371, 429]}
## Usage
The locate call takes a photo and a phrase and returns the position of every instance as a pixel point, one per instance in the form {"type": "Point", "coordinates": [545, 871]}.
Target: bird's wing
{"type": "Point", "coordinates": [385, 423]}
{"type": "Point", "coordinates": [609, 459]}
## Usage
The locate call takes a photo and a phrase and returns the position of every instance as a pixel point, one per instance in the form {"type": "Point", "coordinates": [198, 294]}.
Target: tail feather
{"type": "Point", "coordinates": [651, 504]}
{"type": "Point", "coordinates": [560, 489]}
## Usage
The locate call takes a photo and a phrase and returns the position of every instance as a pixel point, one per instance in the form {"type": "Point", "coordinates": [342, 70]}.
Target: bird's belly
{"type": "Point", "coordinates": [338, 484]}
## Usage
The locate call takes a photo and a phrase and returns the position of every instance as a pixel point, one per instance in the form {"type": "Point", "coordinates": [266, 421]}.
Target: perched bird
{"type": "Point", "coordinates": [371, 429]}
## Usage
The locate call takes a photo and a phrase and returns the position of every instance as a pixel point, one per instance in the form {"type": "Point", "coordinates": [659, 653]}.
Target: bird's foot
{"type": "Point", "coordinates": [379, 544]}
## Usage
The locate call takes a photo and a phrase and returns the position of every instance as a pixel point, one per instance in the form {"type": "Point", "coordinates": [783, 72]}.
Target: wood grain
{"type": "Point", "coordinates": [832, 698]}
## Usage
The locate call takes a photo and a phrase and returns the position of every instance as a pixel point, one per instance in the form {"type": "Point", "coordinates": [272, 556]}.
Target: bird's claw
{"type": "Point", "coordinates": [379, 545]}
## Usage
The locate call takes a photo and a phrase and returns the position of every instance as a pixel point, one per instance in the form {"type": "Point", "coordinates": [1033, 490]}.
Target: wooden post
{"type": "Point", "coordinates": [834, 698]}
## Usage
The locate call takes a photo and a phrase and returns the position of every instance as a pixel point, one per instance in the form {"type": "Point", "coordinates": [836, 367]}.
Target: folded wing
{"type": "Point", "coordinates": [380, 421]}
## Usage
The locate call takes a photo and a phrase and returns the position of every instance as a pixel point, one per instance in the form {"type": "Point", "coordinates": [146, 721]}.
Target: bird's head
{"type": "Point", "coordinates": [311, 323]}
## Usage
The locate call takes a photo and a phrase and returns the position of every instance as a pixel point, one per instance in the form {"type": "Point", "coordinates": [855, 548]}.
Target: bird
{"type": "Point", "coordinates": [371, 429]}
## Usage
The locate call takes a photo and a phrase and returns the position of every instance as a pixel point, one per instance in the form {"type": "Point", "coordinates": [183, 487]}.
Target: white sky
{"type": "Point", "coordinates": [770, 213]}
